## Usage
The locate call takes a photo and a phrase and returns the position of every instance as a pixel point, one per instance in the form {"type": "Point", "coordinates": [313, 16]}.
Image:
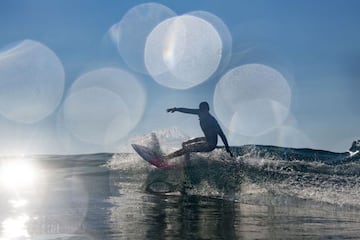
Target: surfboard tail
{"type": "Point", "coordinates": [162, 164]}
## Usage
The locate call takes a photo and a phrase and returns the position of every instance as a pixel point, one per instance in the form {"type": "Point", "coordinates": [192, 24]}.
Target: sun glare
{"type": "Point", "coordinates": [15, 228]}
{"type": "Point", "coordinates": [17, 173]}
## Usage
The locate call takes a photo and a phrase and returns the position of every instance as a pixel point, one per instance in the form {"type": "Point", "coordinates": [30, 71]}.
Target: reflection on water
{"type": "Point", "coordinates": [83, 199]}
{"type": "Point", "coordinates": [14, 219]}
{"type": "Point", "coordinates": [18, 178]}
{"type": "Point", "coordinates": [17, 173]}
{"type": "Point", "coordinates": [172, 217]}
{"type": "Point", "coordinates": [15, 227]}
{"type": "Point", "coordinates": [143, 216]}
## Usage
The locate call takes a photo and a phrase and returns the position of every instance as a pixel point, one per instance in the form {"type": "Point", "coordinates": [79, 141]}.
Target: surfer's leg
{"type": "Point", "coordinates": [177, 153]}
{"type": "Point", "coordinates": [194, 140]}
{"type": "Point", "coordinates": [202, 146]}
{"type": "Point", "coordinates": [187, 148]}
{"type": "Point", "coordinates": [193, 145]}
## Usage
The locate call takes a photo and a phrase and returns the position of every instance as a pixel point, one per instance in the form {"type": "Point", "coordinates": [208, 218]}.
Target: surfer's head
{"type": "Point", "coordinates": [204, 107]}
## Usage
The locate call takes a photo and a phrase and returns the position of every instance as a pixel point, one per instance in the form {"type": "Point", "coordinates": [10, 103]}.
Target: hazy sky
{"type": "Point", "coordinates": [88, 76]}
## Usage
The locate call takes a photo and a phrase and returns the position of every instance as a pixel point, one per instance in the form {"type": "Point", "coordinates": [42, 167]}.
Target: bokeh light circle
{"type": "Point", "coordinates": [290, 136]}
{"type": "Point", "coordinates": [252, 99]}
{"type": "Point", "coordinates": [246, 121]}
{"type": "Point", "coordinates": [131, 32]}
{"type": "Point", "coordinates": [224, 34]}
{"type": "Point", "coordinates": [183, 51]}
{"type": "Point", "coordinates": [104, 105]}
{"type": "Point", "coordinates": [92, 114]}
{"type": "Point", "coordinates": [31, 82]}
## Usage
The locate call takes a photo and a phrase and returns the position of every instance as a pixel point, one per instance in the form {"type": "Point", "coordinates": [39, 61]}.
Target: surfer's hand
{"type": "Point", "coordinates": [228, 150]}
{"type": "Point", "coordinates": [171, 109]}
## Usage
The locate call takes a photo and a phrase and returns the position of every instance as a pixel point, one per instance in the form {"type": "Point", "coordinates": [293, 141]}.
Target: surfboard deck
{"type": "Point", "coordinates": [153, 158]}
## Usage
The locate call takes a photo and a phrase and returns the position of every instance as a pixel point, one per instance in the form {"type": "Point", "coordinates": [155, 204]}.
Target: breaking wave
{"type": "Point", "coordinates": [256, 173]}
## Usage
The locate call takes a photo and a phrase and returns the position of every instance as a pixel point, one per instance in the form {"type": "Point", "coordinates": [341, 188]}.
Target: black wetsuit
{"type": "Point", "coordinates": [211, 129]}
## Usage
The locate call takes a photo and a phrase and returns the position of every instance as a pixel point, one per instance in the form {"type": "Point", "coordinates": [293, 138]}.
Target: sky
{"type": "Point", "coordinates": [91, 76]}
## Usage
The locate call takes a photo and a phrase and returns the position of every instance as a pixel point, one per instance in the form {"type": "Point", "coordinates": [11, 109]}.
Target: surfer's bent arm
{"type": "Point", "coordinates": [183, 110]}
{"type": "Point", "coordinates": [224, 140]}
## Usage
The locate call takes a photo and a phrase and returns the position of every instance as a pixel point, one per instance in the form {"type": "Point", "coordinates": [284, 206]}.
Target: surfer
{"type": "Point", "coordinates": [209, 126]}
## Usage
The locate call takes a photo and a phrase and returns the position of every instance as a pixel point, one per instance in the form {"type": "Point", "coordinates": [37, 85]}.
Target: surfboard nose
{"type": "Point", "coordinates": [153, 157]}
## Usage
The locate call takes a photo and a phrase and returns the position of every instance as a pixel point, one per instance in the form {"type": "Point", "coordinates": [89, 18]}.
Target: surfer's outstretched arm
{"type": "Point", "coordinates": [183, 110]}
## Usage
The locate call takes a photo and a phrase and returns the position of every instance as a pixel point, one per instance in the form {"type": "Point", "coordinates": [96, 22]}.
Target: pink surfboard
{"type": "Point", "coordinates": [153, 158]}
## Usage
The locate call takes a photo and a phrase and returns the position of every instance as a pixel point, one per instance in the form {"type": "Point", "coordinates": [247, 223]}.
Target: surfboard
{"type": "Point", "coordinates": [153, 158]}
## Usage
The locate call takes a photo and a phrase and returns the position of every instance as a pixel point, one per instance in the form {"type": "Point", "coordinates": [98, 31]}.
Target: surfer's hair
{"type": "Point", "coordinates": [204, 106]}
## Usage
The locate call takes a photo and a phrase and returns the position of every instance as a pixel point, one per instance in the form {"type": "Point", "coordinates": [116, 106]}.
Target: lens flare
{"type": "Point", "coordinates": [15, 228]}
{"type": "Point", "coordinates": [129, 35]}
{"type": "Point", "coordinates": [104, 105]}
{"type": "Point", "coordinates": [32, 82]}
{"type": "Point", "coordinates": [97, 115]}
{"type": "Point", "coordinates": [17, 174]}
{"type": "Point", "coordinates": [252, 99]}
{"type": "Point", "coordinates": [224, 33]}
{"type": "Point", "coordinates": [182, 52]}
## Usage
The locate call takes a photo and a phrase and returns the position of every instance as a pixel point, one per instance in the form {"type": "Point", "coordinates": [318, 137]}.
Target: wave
{"type": "Point", "coordinates": [297, 154]}
{"type": "Point", "coordinates": [257, 173]}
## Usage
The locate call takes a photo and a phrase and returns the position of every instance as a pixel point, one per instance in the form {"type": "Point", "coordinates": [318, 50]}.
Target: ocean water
{"type": "Point", "coordinates": [263, 193]}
